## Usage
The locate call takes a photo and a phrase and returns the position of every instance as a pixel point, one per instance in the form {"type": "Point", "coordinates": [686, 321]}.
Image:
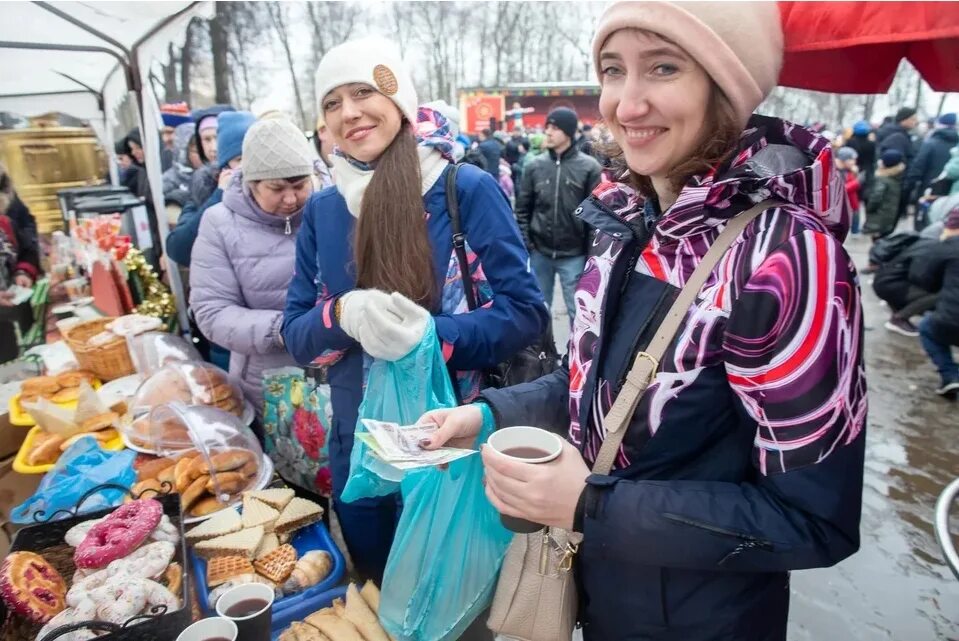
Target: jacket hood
{"type": "Point", "coordinates": [947, 134]}
{"type": "Point", "coordinates": [238, 199]}
{"type": "Point", "coordinates": [774, 159]}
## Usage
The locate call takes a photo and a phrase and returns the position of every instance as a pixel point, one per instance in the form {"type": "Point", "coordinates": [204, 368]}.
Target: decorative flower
{"type": "Point", "coordinates": [308, 431]}
{"type": "Point", "coordinates": [324, 481]}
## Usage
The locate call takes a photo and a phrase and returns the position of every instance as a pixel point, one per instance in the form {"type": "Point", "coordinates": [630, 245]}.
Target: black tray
{"type": "Point", "coordinates": [46, 538]}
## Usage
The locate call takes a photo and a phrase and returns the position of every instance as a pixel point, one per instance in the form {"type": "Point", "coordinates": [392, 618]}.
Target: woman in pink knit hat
{"type": "Point", "coordinates": [744, 457]}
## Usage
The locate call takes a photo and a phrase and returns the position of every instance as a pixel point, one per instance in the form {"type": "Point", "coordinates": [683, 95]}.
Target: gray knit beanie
{"type": "Point", "coordinates": [275, 148]}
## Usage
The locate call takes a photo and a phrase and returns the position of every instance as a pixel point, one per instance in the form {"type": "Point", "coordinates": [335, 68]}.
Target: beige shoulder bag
{"type": "Point", "coordinates": [536, 596]}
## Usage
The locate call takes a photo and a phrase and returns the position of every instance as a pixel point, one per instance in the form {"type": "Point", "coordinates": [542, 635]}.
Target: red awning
{"type": "Point", "coordinates": [855, 47]}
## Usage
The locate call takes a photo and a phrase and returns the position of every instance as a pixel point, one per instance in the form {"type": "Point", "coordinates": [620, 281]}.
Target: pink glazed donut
{"type": "Point", "coordinates": [118, 534]}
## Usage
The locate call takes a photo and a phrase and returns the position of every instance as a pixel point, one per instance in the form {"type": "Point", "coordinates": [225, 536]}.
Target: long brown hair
{"type": "Point", "coordinates": [720, 136]}
{"type": "Point", "coordinates": [391, 245]}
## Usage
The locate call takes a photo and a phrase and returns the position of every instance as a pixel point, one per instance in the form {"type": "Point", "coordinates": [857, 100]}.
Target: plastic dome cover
{"type": "Point", "coordinates": [229, 449]}
{"type": "Point", "coordinates": [187, 383]}
{"type": "Point", "coordinates": [153, 350]}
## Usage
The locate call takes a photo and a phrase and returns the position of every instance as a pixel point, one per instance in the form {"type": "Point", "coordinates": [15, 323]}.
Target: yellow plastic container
{"type": "Point", "coordinates": [20, 417]}
{"type": "Point", "coordinates": [20, 462]}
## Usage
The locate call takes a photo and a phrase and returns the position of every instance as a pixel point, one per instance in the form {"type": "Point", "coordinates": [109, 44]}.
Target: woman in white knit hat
{"type": "Point", "coordinates": [375, 259]}
{"type": "Point", "coordinates": [743, 458]}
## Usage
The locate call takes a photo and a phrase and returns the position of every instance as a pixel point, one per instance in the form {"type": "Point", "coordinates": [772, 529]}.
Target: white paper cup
{"type": "Point", "coordinates": [212, 628]}
{"type": "Point", "coordinates": [511, 438]}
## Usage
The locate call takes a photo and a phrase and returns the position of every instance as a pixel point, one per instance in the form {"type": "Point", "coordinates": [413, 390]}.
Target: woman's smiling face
{"type": "Point", "coordinates": [363, 121]}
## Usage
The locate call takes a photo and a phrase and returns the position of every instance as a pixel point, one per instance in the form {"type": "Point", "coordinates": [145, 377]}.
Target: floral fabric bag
{"type": "Point", "coordinates": [297, 416]}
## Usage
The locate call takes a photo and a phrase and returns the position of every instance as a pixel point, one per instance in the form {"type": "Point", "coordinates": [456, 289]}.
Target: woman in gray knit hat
{"type": "Point", "coordinates": [243, 257]}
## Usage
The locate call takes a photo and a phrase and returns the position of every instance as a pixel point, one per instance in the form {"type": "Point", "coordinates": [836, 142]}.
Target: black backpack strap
{"type": "Point", "coordinates": [459, 238]}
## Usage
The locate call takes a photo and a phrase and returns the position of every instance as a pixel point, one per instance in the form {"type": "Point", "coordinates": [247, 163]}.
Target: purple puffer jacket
{"type": "Point", "coordinates": [241, 266]}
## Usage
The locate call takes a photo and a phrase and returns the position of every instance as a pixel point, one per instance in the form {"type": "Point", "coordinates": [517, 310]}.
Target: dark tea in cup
{"type": "Point", "coordinates": [528, 445]}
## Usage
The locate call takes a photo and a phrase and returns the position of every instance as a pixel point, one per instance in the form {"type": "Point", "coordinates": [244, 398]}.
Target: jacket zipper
{"type": "Point", "coordinates": [556, 206]}
{"type": "Point", "coordinates": [289, 228]}
{"type": "Point", "coordinates": [748, 542]}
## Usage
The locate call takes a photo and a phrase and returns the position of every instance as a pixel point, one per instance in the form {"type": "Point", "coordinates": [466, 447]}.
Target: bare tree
{"type": "Point", "coordinates": [246, 34]}
{"type": "Point", "coordinates": [332, 23]}
{"type": "Point", "coordinates": [186, 60]}
{"type": "Point", "coordinates": [168, 69]}
{"type": "Point", "coordinates": [278, 15]}
{"type": "Point", "coordinates": [219, 41]}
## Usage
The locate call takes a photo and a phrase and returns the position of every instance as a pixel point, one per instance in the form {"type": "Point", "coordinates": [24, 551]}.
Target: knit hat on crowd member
{"type": "Point", "coordinates": [565, 120]}
{"type": "Point", "coordinates": [947, 120]}
{"type": "Point", "coordinates": [861, 128]}
{"type": "Point", "coordinates": [275, 148]}
{"type": "Point", "coordinates": [951, 221]}
{"type": "Point", "coordinates": [905, 113]}
{"type": "Point", "coordinates": [739, 44]}
{"type": "Point", "coordinates": [891, 157]}
{"type": "Point", "coordinates": [206, 119]}
{"type": "Point", "coordinates": [373, 61]}
{"type": "Point", "coordinates": [231, 127]}
{"type": "Point", "coordinates": [847, 153]}
{"type": "Point", "coordinates": [175, 114]}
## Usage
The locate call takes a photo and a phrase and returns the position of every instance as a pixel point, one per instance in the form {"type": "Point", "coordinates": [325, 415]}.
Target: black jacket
{"type": "Point", "coordinates": [896, 137]}
{"type": "Point", "coordinates": [25, 227]}
{"type": "Point", "coordinates": [546, 203]}
{"type": "Point", "coordinates": [866, 149]}
{"type": "Point", "coordinates": [931, 159]}
{"type": "Point", "coordinates": [892, 282]}
{"type": "Point", "coordinates": [938, 271]}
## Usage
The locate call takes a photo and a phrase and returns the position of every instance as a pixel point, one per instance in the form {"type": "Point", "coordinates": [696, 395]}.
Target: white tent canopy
{"type": "Point", "coordinates": [51, 50]}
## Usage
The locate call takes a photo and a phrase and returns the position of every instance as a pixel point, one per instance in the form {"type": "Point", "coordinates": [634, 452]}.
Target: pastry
{"type": "Point", "coordinates": [74, 378]}
{"type": "Point", "coordinates": [227, 461]}
{"type": "Point", "coordinates": [104, 436]}
{"type": "Point", "coordinates": [166, 531]}
{"type": "Point", "coordinates": [249, 469]}
{"type": "Point", "coordinates": [241, 579]}
{"type": "Point", "coordinates": [151, 469]}
{"type": "Point", "coordinates": [46, 449]}
{"type": "Point", "coordinates": [173, 577]}
{"type": "Point", "coordinates": [221, 569]}
{"type": "Point", "coordinates": [300, 631]}
{"type": "Point", "coordinates": [333, 626]}
{"type": "Point", "coordinates": [312, 568]}
{"type": "Point", "coordinates": [66, 443]}
{"type": "Point", "coordinates": [257, 513]}
{"type": "Point", "coordinates": [167, 475]}
{"type": "Point", "coordinates": [298, 514]}
{"type": "Point", "coordinates": [66, 395]}
{"type": "Point", "coordinates": [85, 612]}
{"type": "Point", "coordinates": [119, 601]}
{"type": "Point", "coordinates": [193, 493]}
{"type": "Point", "coordinates": [207, 505]}
{"type": "Point", "coordinates": [120, 407]}
{"type": "Point", "coordinates": [39, 385]}
{"type": "Point", "coordinates": [358, 612]}
{"type": "Point", "coordinates": [227, 522]}
{"type": "Point", "coordinates": [229, 483]}
{"type": "Point", "coordinates": [182, 475]}
{"type": "Point", "coordinates": [277, 498]}
{"type": "Point", "coordinates": [244, 543]}
{"type": "Point", "coordinates": [221, 393]}
{"type": "Point", "coordinates": [278, 564]}
{"type": "Point", "coordinates": [152, 486]}
{"type": "Point", "coordinates": [99, 422]}
{"type": "Point", "coordinates": [148, 562]}
{"type": "Point", "coordinates": [118, 534]}
{"type": "Point", "coordinates": [32, 587]}
{"type": "Point", "coordinates": [78, 532]}
{"type": "Point", "coordinates": [269, 543]}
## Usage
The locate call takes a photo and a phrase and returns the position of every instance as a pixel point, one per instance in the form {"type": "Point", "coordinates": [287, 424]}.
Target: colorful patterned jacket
{"type": "Point", "coordinates": [744, 458]}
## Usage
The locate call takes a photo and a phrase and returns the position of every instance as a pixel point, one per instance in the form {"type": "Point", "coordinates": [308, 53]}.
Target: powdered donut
{"type": "Point", "coordinates": [166, 531]}
{"type": "Point", "coordinates": [149, 561]}
{"type": "Point", "coordinates": [85, 611]}
{"type": "Point", "coordinates": [32, 587]}
{"type": "Point", "coordinates": [78, 532]}
{"type": "Point", "coordinates": [119, 534]}
{"type": "Point", "coordinates": [122, 600]}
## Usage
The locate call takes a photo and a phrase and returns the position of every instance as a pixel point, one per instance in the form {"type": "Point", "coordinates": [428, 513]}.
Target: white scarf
{"type": "Point", "coordinates": [351, 181]}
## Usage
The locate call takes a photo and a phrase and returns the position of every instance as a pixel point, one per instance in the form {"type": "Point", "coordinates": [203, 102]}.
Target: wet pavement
{"type": "Point", "coordinates": [897, 586]}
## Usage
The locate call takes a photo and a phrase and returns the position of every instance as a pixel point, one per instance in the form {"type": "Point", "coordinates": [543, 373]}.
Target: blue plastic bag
{"type": "Point", "coordinates": [449, 543]}
{"type": "Point", "coordinates": [81, 468]}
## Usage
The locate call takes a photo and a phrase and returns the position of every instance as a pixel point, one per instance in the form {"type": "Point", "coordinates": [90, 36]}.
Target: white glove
{"type": "Point", "coordinates": [391, 332]}
{"type": "Point", "coordinates": [353, 307]}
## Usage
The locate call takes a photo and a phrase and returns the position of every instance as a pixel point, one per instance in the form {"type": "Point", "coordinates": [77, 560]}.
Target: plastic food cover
{"type": "Point", "coordinates": [220, 438]}
{"type": "Point", "coordinates": [187, 383]}
{"type": "Point", "coordinates": [153, 350]}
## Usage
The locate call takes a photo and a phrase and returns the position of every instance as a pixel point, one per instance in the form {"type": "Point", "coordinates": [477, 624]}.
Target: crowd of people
{"type": "Point", "coordinates": [744, 458]}
{"type": "Point", "coordinates": [892, 174]}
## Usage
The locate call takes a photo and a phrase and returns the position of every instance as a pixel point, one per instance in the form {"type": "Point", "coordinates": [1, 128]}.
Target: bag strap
{"type": "Point", "coordinates": [459, 237]}
{"type": "Point", "coordinates": [646, 362]}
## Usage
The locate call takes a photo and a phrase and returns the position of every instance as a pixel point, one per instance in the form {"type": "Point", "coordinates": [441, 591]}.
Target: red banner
{"type": "Point", "coordinates": [479, 110]}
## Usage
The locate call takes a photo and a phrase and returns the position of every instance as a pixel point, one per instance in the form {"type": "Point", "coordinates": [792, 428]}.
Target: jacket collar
{"type": "Point", "coordinates": [566, 155]}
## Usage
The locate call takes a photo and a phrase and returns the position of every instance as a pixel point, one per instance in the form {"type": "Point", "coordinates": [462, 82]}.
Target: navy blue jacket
{"type": "Point", "coordinates": [491, 151]}
{"type": "Point", "coordinates": [179, 242]}
{"type": "Point", "coordinates": [480, 339]}
{"type": "Point", "coordinates": [931, 159]}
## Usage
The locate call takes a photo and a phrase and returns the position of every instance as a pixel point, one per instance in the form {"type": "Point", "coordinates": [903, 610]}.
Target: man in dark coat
{"type": "Point", "coordinates": [898, 136]}
{"type": "Point", "coordinates": [933, 155]}
{"type": "Point", "coordinates": [938, 271]}
{"type": "Point", "coordinates": [491, 151]}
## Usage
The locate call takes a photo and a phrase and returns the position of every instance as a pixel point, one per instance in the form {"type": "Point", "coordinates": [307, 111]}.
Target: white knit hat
{"type": "Point", "coordinates": [275, 148]}
{"type": "Point", "coordinates": [739, 44]}
{"type": "Point", "coordinates": [374, 61]}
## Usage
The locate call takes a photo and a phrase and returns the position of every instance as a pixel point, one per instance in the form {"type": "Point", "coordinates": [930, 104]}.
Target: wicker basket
{"type": "Point", "coordinates": [109, 361]}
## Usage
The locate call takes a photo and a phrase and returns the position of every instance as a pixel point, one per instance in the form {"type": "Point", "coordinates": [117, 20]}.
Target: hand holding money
{"type": "Point", "coordinates": [400, 445]}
